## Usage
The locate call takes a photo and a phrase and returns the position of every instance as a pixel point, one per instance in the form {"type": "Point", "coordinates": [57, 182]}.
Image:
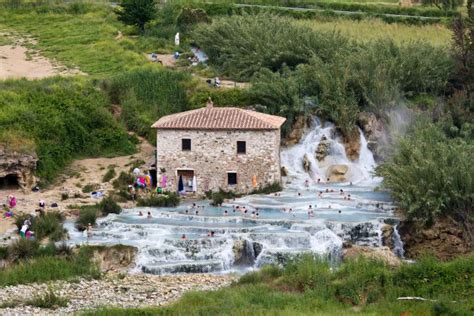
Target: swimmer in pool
{"type": "Point", "coordinates": [149, 215]}
{"type": "Point", "coordinates": [140, 213]}
{"type": "Point", "coordinates": [225, 213]}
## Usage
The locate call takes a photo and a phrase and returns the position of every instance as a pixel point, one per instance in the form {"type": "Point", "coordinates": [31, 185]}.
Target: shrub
{"type": "Point", "coordinates": [123, 180]}
{"type": "Point", "coordinates": [109, 175]}
{"type": "Point", "coordinates": [3, 253]}
{"type": "Point", "coordinates": [108, 205]}
{"type": "Point", "coordinates": [48, 300]}
{"type": "Point", "coordinates": [268, 188]}
{"type": "Point", "coordinates": [217, 199]}
{"type": "Point", "coordinates": [189, 17]}
{"type": "Point", "coordinates": [430, 175]}
{"type": "Point", "coordinates": [49, 225]}
{"type": "Point", "coordinates": [240, 46]}
{"type": "Point", "coordinates": [362, 281]}
{"type": "Point", "coordinates": [88, 188]}
{"type": "Point", "coordinates": [88, 214]}
{"type": "Point", "coordinates": [266, 274]}
{"type": "Point", "coordinates": [23, 249]}
{"type": "Point", "coordinates": [308, 272]}
{"type": "Point", "coordinates": [167, 199]}
{"type": "Point", "coordinates": [64, 196]}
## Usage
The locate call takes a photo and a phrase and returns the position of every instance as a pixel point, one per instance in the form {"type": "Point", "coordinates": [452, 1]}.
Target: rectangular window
{"type": "Point", "coordinates": [241, 147]}
{"type": "Point", "coordinates": [231, 178]}
{"type": "Point", "coordinates": [185, 144]}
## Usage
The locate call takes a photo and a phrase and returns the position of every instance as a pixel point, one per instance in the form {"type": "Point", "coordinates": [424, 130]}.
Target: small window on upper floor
{"type": "Point", "coordinates": [241, 147]}
{"type": "Point", "coordinates": [232, 178]}
{"type": "Point", "coordinates": [186, 144]}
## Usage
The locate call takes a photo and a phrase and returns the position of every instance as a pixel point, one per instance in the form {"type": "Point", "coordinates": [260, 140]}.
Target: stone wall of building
{"type": "Point", "coordinates": [214, 153]}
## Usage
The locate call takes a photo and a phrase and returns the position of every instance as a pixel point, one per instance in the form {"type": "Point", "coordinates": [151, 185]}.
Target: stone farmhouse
{"type": "Point", "coordinates": [223, 147]}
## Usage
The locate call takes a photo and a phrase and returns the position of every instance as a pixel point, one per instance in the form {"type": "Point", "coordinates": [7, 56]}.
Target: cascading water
{"type": "Point", "coordinates": [397, 243]}
{"type": "Point", "coordinates": [346, 211]}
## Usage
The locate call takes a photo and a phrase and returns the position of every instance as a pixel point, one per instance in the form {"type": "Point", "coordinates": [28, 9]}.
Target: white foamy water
{"type": "Point", "coordinates": [282, 230]}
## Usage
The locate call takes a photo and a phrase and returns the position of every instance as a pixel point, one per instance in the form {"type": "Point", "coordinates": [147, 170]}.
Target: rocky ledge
{"type": "Point", "coordinates": [112, 290]}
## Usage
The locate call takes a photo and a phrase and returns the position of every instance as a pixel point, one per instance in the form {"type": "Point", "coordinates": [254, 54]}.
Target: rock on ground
{"type": "Point", "coordinates": [383, 254]}
{"type": "Point", "coordinates": [116, 290]}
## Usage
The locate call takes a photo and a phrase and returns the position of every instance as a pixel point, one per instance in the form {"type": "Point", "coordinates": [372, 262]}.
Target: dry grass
{"type": "Point", "coordinates": [367, 30]}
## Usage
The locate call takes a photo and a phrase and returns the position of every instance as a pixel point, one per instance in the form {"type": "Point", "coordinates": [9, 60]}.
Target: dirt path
{"type": "Point", "coordinates": [80, 173]}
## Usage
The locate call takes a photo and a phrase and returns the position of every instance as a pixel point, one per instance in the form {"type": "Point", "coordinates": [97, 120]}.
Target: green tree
{"type": "Point", "coordinates": [136, 12]}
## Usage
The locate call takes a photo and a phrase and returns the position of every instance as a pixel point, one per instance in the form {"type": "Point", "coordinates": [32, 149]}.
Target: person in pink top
{"type": "Point", "coordinates": [12, 201]}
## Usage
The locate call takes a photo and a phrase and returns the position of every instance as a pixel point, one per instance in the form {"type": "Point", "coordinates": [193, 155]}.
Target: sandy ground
{"type": "Point", "coordinates": [17, 61]}
{"type": "Point", "coordinates": [80, 173]}
{"type": "Point", "coordinates": [168, 61]}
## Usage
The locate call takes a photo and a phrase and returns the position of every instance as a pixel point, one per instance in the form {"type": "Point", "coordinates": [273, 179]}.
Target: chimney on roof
{"type": "Point", "coordinates": [209, 103]}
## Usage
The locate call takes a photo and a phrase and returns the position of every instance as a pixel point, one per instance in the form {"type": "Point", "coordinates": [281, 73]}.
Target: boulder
{"type": "Point", "coordinates": [374, 132]}
{"type": "Point", "coordinates": [323, 148]}
{"type": "Point", "coordinates": [113, 258]}
{"type": "Point", "coordinates": [19, 167]}
{"type": "Point", "coordinates": [387, 236]}
{"type": "Point", "coordinates": [337, 173]}
{"type": "Point", "coordinates": [384, 254]}
{"type": "Point", "coordinates": [445, 239]}
{"type": "Point", "coordinates": [306, 163]}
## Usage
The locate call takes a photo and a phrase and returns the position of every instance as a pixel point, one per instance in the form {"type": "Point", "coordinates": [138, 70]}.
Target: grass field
{"type": "Point", "coordinates": [366, 30]}
{"type": "Point", "coordinates": [83, 40]}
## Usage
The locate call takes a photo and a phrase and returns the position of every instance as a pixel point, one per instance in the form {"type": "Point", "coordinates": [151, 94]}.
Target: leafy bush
{"type": "Point", "coordinates": [189, 17]}
{"type": "Point", "coordinates": [362, 281]}
{"type": "Point", "coordinates": [240, 46]}
{"type": "Point", "coordinates": [3, 253]}
{"type": "Point", "coordinates": [88, 214]}
{"type": "Point", "coordinates": [123, 180]}
{"type": "Point", "coordinates": [49, 225]}
{"type": "Point", "coordinates": [88, 188]}
{"type": "Point", "coordinates": [430, 175]}
{"type": "Point", "coordinates": [108, 205]}
{"type": "Point", "coordinates": [109, 175]}
{"type": "Point", "coordinates": [167, 199]}
{"type": "Point", "coordinates": [48, 300]}
{"type": "Point", "coordinates": [219, 197]}
{"type": "Point", "coordinates": [23, 249]}
{"type": "Point", "coordinates": [266, 274]}
{"type": "Point", "coordinates": [308, 272]}
{"type": "Point", "coordinates": [269, 188]}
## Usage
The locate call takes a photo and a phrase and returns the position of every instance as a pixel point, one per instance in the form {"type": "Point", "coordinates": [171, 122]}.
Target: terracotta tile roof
{"type": "Point", "coordinates": [220, 118]}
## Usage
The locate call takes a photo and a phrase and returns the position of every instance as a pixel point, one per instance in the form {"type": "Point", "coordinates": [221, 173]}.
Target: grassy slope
{"type": "Point", "coordinates": [358, 287]}
{"type": "Point", "coordinates": [84, 40]}
{"type": "Point", "coordinates": [88, 40]}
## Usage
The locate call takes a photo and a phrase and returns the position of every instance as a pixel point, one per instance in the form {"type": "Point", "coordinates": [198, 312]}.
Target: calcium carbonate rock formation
{"type": "Point", "coordinates": [323, 148]}
{"type": "Point", "coordinates": [17, 169]}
